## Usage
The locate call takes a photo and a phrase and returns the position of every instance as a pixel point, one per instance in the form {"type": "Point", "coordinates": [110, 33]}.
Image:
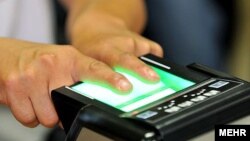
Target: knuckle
{"type": "Point", "coordinates": [129, 41]}
{"type": "Point", "coordinates": [47, 59]}
{"type": "Point", "coordinates": [29, 75]}
{"type": "Point", "coordinates": [145, 44]}
{"type": "Point", "coordinates": [12, 81]}
{"type": "Point", "coordinates": [127, 58]}
{"type": "Point", "coordinates": [68, 52]}
{"type": "Point", "coordinates": [140, 65]}
{"type": "Point", "coordinates": [16, 83]}
{"type": "Point", "coordinates": [96, 66]}
{"type": "Point", "coordinates": [137, 67]}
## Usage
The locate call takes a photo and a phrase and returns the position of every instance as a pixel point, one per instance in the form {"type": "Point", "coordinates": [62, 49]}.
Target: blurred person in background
{"type": "Point", "coordinates": [211, 32]}
{"type": "Point", "coordinates": [192, 31]}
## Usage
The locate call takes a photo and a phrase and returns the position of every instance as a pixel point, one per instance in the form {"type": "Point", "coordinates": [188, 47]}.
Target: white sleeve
{"type": "Point", "coordinates": [30, 20]}
{"type": "Point", "coordinates": [7, 16]}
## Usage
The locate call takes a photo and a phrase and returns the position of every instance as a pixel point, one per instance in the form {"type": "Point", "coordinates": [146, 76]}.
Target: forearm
{"type": "Point", "coordinates": [88, 15]}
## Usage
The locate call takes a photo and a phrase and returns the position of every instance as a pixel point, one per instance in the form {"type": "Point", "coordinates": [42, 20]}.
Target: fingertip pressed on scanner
{"type": "Point", "coordinates": [151, 75]}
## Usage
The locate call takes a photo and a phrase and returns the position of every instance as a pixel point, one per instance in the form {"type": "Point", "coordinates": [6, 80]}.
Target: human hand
{"type": "Point", "coordinates": [29, 71]}
{"type": "Point", "coordinates": [117, 46]}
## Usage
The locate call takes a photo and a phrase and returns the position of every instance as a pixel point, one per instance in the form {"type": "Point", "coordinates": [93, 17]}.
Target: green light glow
{"type": "Point", "coordinates": [143, 92]}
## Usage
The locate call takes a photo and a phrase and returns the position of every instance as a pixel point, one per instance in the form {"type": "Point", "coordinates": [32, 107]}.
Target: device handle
{"type": "Point", "coordinates": [109, 125]}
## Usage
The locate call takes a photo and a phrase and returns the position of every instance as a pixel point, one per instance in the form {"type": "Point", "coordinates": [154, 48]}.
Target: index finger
{"type": "Point", "coordinates": [91, 69]}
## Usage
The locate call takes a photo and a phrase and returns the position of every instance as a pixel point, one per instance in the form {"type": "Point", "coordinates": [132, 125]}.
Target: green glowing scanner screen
{"type": "Point", "coordinates": [143, 93]}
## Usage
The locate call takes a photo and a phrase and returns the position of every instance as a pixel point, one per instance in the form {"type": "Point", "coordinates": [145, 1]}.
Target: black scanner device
{"type": "Point", "coordinates": [198, 99]}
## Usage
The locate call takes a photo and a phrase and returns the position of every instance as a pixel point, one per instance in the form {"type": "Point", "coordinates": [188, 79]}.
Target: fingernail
{"type": "Point", "coordinates": [152, 74]}
{"type": "Point", "coordinates": [124, 85]}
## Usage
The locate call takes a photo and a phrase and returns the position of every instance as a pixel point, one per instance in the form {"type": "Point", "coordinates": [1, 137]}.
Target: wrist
{"type": "Point", "coordinates": [88, 26]}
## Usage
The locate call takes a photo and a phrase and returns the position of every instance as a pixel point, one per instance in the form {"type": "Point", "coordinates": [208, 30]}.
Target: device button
{"type": "Point", "coordinates": [211, 93]}
{"type": "Point", "coordinates": [218, 84]}
{"type": "Point", "coordinates": [186, 104]}
{"type": "Point", "coordinates": [171, 104]}
{"type": "Point", "coordinates": [201, 91]}
{"type": "Point", "coordinates": [185, 96]}
{"type": "Point", "coordinates": [214, 92]}
{"type": "Point", "coordinates": [159, 108]}
{"type": "Point", "coordinates": [172, 109]}
{"type": "Point", "coordinates": [193, 95]}
{"type": "Point", "coordinates": [172, 101]}
{"type": "Point", "coordinates": [198, 98]}
{"type": "Point", "coordinates": [147, 114]}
